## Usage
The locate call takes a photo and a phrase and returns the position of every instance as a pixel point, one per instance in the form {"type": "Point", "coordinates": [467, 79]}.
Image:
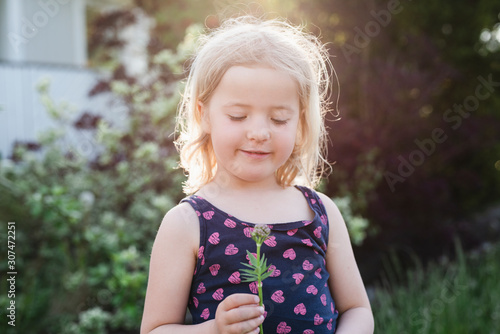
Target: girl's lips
{"type": "Point", "coordinates": [255, 154]}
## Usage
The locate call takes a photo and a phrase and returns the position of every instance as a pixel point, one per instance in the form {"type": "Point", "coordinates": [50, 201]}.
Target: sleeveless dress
{"type": "Point", "coordinates": [296, 296]}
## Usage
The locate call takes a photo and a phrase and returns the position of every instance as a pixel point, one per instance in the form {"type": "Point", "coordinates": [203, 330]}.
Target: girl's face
{"type": "Point", "coordinates": [252, 119]}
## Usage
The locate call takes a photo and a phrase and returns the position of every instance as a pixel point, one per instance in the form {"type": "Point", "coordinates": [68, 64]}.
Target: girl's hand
{"type": "Point", "coordinates": [239, 313]}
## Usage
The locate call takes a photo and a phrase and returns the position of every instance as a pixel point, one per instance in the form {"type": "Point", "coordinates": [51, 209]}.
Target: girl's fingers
{"type": "Point", "coordinates": [255, 331]}
{"type": "Point", "coordinates": [244, 313]}
{"type": "Point", "coordinates": [237, 300]}
{"type": "Point", "coordinates": [248, 326]}
{"type": "Point", "coordinates": [239, 313]}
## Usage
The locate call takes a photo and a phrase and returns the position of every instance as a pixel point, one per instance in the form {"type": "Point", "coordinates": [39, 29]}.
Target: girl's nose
{"type": "Point", "coordinates": [259, 131]}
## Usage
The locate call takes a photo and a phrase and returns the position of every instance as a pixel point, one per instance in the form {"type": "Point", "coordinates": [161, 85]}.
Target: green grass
{"type": "Point", "coordinates": [447, 297]}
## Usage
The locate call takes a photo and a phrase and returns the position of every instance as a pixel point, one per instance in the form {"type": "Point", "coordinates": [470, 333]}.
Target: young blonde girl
{"type": "Point", "coordinates": [251, 138]}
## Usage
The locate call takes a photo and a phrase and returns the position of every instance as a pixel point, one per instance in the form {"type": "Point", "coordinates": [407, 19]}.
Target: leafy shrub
{"type": "Point", "coordinates": [85, 224]}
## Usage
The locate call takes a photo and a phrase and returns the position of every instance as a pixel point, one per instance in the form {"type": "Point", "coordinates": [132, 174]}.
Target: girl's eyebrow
{"type": "Point", "coordinates": [236, 104]}
{"type": "Point", "coordinates": [283, 107]}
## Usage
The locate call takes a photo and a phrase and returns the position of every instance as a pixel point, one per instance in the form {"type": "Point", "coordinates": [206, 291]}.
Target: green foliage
{"type": "Point", "coordinates": [358, 226]}
{"type": "Point", "coordinates": [446, 297]}
{"type": "Point", "coordinates": [259, 270]}
{"type": "Point", "coordinates": [86, 222]}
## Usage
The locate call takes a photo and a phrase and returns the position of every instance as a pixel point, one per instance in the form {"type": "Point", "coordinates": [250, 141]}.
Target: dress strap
{"type": "Point", "coordinates": [316, 204]}
{"type": "Point", "coordinates": [200, 206]}
{"type": "Point", "coordinates": [314, 201]}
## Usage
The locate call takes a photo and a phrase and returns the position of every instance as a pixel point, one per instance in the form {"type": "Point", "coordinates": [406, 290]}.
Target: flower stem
{"type": "Point", "coordinates": [259, 283]}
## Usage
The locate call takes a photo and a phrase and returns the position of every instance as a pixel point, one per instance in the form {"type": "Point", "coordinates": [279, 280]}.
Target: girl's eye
{"type": "Point", "coordinates": [236, 118]}
{"type": "Point", "coordinates": [279, 121]}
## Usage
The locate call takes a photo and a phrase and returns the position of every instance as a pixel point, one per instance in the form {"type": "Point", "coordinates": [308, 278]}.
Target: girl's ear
{"type": "Point", "coordinates": [205, 121]}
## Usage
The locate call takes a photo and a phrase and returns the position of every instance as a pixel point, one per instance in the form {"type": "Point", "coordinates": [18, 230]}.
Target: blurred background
{"type": "Point", "coordinates": [88, 94]}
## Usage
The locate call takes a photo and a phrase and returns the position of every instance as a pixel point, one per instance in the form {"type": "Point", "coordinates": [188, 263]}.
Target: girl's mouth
{"type": "Point", "coordinates": [255, 154]}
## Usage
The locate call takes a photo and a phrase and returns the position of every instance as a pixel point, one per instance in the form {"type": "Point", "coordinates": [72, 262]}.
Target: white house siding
{"type": "Point", "coordinates": [23, 117]}
{"type": "Point", "coordinates": [43, 31]}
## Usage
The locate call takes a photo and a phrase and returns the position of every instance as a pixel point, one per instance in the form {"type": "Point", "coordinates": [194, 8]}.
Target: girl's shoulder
{"type": "Point", "coordinates": [182, 214]}
{"type": "Point", "coordinates": [180, 224]}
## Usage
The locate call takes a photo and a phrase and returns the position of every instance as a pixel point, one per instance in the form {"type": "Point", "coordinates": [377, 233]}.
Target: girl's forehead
{"type": "Point", "coordinates": [251, 81]}
{"type": "Point", "coordinates": [262, 75]}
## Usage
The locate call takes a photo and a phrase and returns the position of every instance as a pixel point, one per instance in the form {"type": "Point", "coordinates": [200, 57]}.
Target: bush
{"type": "Point", "coordinates": [85, 224]}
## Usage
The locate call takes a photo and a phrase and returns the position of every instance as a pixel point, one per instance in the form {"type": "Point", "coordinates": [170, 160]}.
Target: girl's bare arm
{"type": "Point", "coordinates": [173, 260]}
{"type": "Point", "coordinates": [345, 281]}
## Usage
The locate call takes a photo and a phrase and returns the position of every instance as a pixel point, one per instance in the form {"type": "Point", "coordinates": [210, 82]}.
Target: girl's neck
{"type": "Point", "coordinates": [230, 185]}
{"type": "Point", "coordinates": [264, 203]}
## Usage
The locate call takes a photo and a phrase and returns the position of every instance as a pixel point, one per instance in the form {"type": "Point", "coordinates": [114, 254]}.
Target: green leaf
{"type": "Point", "coordinates": [249, 280]}
{"type": "Point", "coordinates": [252, 258]}
{"type": "Point", "coordinates": [248, 265]}
{"type": "Point", "coordinates": [266, 275]}
{"type": "Point", "coordinates": [248, 271]}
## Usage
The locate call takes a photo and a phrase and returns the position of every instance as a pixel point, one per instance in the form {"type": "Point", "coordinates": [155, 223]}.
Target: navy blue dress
{"type": "Point", "coordinates": [296, 297]}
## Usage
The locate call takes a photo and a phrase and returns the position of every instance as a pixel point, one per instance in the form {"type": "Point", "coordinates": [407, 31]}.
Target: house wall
{"type": "Point", "coordinates": [43, 31]}
{"type": "Point", "coordinates": [23, 117]}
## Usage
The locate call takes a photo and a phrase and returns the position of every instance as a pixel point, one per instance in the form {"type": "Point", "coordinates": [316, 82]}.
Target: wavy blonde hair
{"type": "Point", "coordinates": [272, 43]}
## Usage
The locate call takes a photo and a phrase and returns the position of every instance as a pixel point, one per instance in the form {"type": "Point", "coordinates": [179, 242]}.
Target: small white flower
{"type": "Point", "coordinates": [87, 198]}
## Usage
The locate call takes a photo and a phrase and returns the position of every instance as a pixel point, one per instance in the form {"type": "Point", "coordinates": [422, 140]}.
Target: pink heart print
{"type": "Point", "coordinates": [317, 232]}
{"type": "Point", "coordinates": [307, 242]}
{"type": "Point", "coordinates": [283, 328]}
{"type": "Point", "coordinates": [289, 254]}
{"type": "Point", "coordinates": [317, 273]}
{"type": "Point", "coordinates": [308, 331]}
{"type": "Point", "coordinates": [313, 201]}
{"type": "Point", "coordinates": [312, 289]}
{"type": "Point", "coordinates": [230, 223]}
{"type": "Point", "coordinates": [318, 320]}
{"type": "Point", "coordinates": [277, 296]}
{"type": "Point", "coordinates": [218, 294]}
{"type": "Point", "coordinates": [330, 325]}
{"type": "Point", "coordinates": [300, 309]}
{"type": "Point", "coordinates": [298, 278]}
{"type": "Point", "coordinates": [276, 272]}
{"type": "Point", "coordinates": [324, 219]}
{"type": "Point", "coordinates": [231, 249]}
{"type": "Point", "coordinates": [208, 215]}
{"type": "Point", "coordinates": [201, 288]}
{"type": "Point", "coordinates": [307, 265]}
{"type": "Point", "coordinates": [292, 232]}
{"type": "Point", "coordinates": [253, 287]}
{"type": "Point", "coordinates": [323, 299]}
{"type": "Point", "coordinates": [235, 278]}
{"type": "Point", "coordinates": [200, 255]}
{"type": "Point", "coordinates": [214, 238]}
{"type": "Point", "coordinates": [248, 232]}
{"type": "Point", "coordinates": [271, 242]}
{"type": "Point", "coordinates": [195, 302]}
{"type": "Point", "coordinates": [205, 314]}
{"type": "Point", "coordinates": [214, 269]}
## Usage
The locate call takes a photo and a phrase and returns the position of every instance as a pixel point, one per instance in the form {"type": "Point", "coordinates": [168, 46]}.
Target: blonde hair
{"type": "Point", "coordinates": [251, 41]}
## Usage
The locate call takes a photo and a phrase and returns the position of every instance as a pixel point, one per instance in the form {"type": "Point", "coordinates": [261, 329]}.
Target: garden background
{"type": "Point", "coordinates": [415, 142]}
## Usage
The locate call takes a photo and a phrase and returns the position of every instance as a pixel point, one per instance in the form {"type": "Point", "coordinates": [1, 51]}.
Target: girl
{"type": "Point", "coordinates": [251, 139]}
